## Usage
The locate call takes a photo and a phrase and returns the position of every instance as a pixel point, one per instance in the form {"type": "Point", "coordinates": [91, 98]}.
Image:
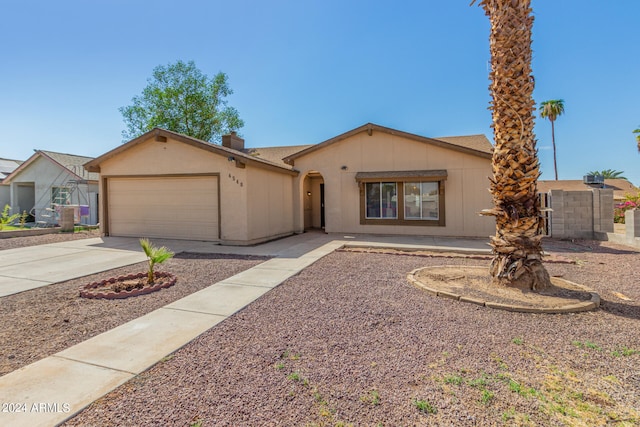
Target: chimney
{"type": "Point", "coordinates": [233, 141]}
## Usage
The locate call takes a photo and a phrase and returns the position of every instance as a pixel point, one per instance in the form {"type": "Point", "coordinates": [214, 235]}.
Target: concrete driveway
{"type": "Point", "coordinates": [31, 267]}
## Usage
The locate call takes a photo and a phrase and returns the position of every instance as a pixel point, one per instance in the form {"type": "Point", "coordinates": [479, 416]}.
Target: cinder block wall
{"type": "Point", "coordinates": [603, 217]}
{"type": "Point", "coordinates": [581, 214]}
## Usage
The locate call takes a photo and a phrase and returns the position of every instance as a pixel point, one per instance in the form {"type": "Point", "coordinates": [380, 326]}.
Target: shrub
{"type": "Point", "coordinates": [630, 202]}
{"type": "Point", "coordinates": [5, 218]}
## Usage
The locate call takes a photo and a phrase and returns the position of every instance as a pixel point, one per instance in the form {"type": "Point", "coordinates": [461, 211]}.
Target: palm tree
{"type": "Point", "coordinates": [155, 255]}
{"type": "Point", "coordinates": [637, 132]}
{"type": "Point", "coordinates": [552, 109]}
{"type": "Point", "coordinates": [608, 174]}
{"type": "Point", "coordinates": [517, 246]}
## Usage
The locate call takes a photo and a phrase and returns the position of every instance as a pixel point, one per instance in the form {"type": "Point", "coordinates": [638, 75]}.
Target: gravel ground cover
{"type": "Point", "coordinates": [24, 241]}
{"type": "Point", "coordinates": [349, 342]}
{"type": "Point", "coordinates": [46, 320]}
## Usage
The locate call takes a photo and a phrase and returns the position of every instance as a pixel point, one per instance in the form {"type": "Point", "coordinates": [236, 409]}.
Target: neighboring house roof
{"type": "Point", "coordinates": [70, 162]}
{"type": "Point", "coordinates": [276, 154]}
{"type": "Point", "coordinates": [7, 166]}
{"type": "Point", "coordinates": [621, 187]}
{"type": "Point", "coordinates": [238, 156]}
{"type": "Point", "coordinates": [74, 163]}
{"type": "Point", "coordinates": [477, 145]}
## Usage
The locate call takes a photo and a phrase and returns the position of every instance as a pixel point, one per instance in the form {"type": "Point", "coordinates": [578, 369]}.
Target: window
{"type": "Point", "coordinates": [60, 196]}
{"type": "Point", "coordinates": [382, 200]}
{"type": "Point", "coordinates": [402, 197]}
{"type": "Point", "coordinates": [421, 200]}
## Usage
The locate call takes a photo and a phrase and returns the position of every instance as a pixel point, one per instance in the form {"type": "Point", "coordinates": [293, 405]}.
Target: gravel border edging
{"type": "Point", "coordinates": [592, 304]}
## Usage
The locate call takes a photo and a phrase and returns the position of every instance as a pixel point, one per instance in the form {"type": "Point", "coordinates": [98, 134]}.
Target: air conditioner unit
{"type": "Point", "coordinates": [594, 179]}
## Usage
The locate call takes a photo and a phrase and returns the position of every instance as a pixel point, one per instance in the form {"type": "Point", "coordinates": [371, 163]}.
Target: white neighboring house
{"type": "Point", "coordinates": [47, 180]}
{"type": "Point", "coordinates": [6, 167]}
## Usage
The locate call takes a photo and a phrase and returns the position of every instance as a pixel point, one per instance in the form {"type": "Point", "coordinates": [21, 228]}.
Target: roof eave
{"type": "Point", "coordinates": [371, 127]}
{"type": "Point", "coordinates": [20, 168]}
{"type": "Point", "coordinates": [94, 165]}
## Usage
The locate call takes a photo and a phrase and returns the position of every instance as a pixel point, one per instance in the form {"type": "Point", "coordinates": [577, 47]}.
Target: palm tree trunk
{"type": "Point", "coordinates": [517, 244]}
{"type": "Point", "coordinates": [553, 142]}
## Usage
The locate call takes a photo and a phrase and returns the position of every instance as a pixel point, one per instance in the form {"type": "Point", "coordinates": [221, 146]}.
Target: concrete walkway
{"type": "Point", "coordinates": [53, 389]}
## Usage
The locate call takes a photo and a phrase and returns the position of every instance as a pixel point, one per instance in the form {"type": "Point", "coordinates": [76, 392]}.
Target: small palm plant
{"type": "Point", "coordinates": [155, 255]}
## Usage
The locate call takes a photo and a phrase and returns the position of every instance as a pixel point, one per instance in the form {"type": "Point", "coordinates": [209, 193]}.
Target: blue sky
{"type": "Point", "coordinates": [305, 71]}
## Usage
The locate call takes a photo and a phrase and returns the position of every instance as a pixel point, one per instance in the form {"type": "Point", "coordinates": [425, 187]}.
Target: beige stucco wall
{"type": "Point", "coordinates": [465, 188]}
{"type": "Point", "coordinates": [269, 203]}
{"type": "Point", "coordinates": [245, 215]}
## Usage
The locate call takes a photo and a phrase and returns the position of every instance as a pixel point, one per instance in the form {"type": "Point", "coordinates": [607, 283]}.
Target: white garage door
{"type": "Point", "coordinates": [164, 207]}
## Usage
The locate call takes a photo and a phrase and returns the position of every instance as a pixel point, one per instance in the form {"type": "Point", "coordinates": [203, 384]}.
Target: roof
{"type": "Point", "coordinates": [275, 154]}
{"type": "Point", "coordinates": [7, 166]}
{"type": "Point", "coordinates": [621, 187]}
{"type": "Point", "coordinates": [475, 142]}
{"type": "Point", "coordinates": [74, 163]}
{"type": "Point", "coordinates": [477, 145]}
{"type": "Point", "coordinates": [71, 162]}
{"type": "Point", "coordinates": [239, 156]}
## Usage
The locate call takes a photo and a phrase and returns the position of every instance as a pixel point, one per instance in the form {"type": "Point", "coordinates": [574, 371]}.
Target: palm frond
{"type": "Point", "coordinates": [146, 246]}
{"type": "Point", "coordinates": [155, 255]}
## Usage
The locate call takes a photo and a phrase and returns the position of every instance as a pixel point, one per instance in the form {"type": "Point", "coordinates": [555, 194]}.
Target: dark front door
{"type": "Point", "coordinates": [322, 206]}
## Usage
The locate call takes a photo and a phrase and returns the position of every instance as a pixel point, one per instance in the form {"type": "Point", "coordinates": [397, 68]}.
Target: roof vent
{"type": "Point", "coordinates": [594, 179]}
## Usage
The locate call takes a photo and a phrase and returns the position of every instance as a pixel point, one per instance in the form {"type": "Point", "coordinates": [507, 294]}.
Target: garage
{"type": "Point", "coordinates": [171, 207]}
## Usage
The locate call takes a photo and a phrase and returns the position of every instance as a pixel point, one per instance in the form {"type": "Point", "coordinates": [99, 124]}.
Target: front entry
{"type": "Point", "coordinates": [313, 203]}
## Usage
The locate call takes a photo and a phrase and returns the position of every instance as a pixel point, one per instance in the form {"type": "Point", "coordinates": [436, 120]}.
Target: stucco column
{"type": "Point", "coordinates": [298, 206]}
{"type": "Point", "coordinates": [632, 223]}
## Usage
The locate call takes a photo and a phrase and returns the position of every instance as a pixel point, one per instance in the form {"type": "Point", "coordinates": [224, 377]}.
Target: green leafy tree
{"type": "Point", "coordinates": [180, 98]}
{"type": "Point", "coordinates": [608, 174]}
{"type": "Point", "coordinates": [155, 255]}
{"type": "Point", "coordinates": [637, 132]}
{"type": "Point", "coordinates": [551, 110]}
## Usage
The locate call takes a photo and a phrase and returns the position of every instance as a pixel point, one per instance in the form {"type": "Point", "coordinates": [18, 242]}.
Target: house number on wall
{"type": "Point", "coordinates": [237, 181]}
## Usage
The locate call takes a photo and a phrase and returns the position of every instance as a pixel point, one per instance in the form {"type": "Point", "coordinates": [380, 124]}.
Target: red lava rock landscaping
{"type": "Point", "coordinates": [131, 285]}
{"type": "Point", "coordinates": [349, 341]}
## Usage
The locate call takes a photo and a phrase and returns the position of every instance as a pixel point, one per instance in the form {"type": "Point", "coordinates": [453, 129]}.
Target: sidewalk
{"type": "Point", "coordinates": [53, 389]}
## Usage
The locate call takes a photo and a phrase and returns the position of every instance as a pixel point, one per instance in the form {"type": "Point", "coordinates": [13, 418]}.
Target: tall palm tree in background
{"type": "Point", "coordinates": [517, 246]}
{"type": "Point", "coordinates": [637, 132]}
{"type": "Point", "coordinates": [551, 110]}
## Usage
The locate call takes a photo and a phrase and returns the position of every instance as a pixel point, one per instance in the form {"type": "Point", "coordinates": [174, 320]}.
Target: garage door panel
{"type": "Point", "coordinates": [163, 207]}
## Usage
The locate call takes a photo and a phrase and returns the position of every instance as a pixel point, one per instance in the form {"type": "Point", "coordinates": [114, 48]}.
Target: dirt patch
{"type": "Point", "coordinates": [474, 284]}
{"type": "Point", "coordinates": [131, 285]}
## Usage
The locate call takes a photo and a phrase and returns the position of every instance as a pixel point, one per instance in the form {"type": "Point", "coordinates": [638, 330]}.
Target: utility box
{"type": "Point", "coordinates": [67, 219]}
